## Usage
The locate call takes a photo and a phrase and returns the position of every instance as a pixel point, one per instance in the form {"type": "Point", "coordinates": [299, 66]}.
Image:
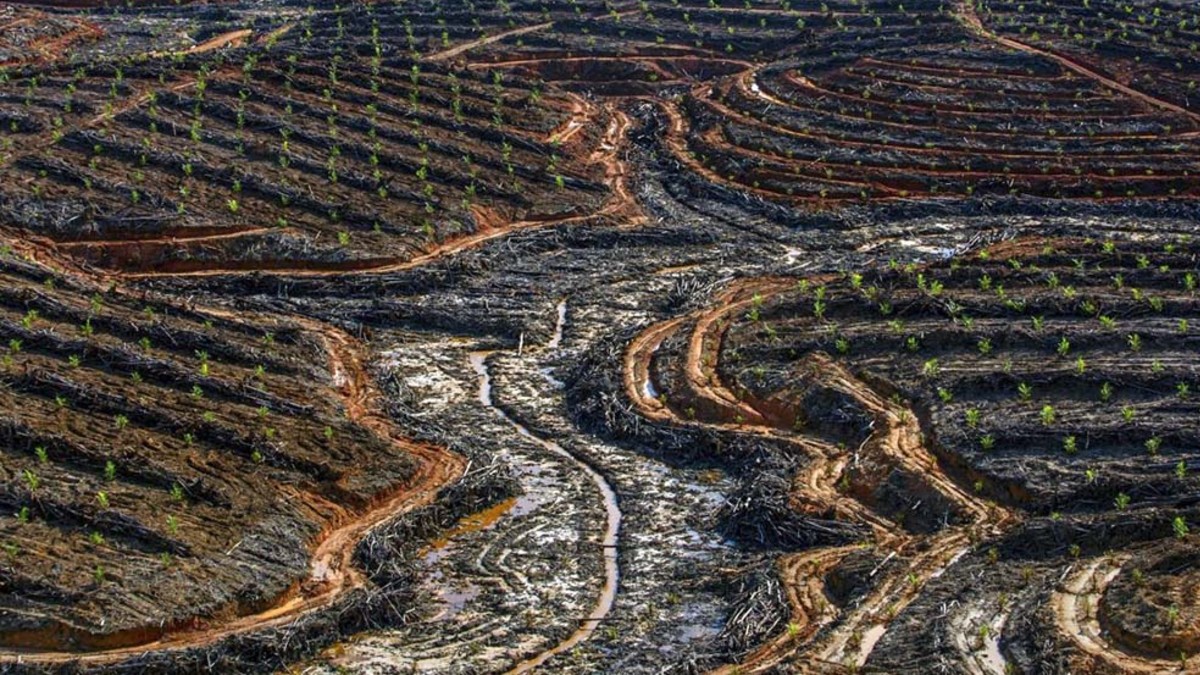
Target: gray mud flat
{"type": "Point", "coordinates": [501, 593]}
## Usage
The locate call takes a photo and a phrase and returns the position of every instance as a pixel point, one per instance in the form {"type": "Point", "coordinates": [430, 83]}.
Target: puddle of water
{"type": "Point", "coordinates": [608, 592]}
{"type": "Point", "coordinates": [556, 338]}
{"type": "Point", "coordinates": [456, 600]}
{"type": "Point", "coordinates": [916, 245]}
{"type": "Point", "coordinates": [525, 505]}
{"type": "Point", "coordinates": [548, 375]}
{"type": "Point", "coordinates": [992, 657]}
{"type": "Point", "coordinates": [475, 522]}
{"type": "Point", "coordinates": [983, 657]}
{"type": "Point", "coordinates": [648, 388]}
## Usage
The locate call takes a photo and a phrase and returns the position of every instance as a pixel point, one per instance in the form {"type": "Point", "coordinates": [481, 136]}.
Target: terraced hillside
{"type": "Point", "coordinates": [347, 161]}
{"type": "Point", "coordinates": [1145, 47]}
{"type": "Point", "coordinates": [165, 462]}
{"type": "Point", "coordinates": [586, 336]}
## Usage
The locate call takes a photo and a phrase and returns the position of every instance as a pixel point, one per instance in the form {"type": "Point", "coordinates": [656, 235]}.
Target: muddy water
{"type": "Point", "coordinates": [608, 592]}
{"type": "Point", "coordinates": [560, 322]}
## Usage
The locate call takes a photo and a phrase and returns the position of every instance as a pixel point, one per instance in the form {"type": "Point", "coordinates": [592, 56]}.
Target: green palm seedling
{"type": "Point", "coordinates": [1153, 445]}
{"type": "Point", "coordinates": [1135, 342]}
{"type": "Point", "coordinates": [973, 416]}
{"type": "Point", "coordinates": [1121, 501]}
{"type": "Point", "coordinates": [1070, 445]}
{"type": "Point", "coordinates": [930, 367]}
{"type": "Point", "coordinates": [1048, 415]}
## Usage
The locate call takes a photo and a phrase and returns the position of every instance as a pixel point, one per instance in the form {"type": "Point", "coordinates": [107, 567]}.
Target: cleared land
{"type": "Point", "coordinates": [687, 336]}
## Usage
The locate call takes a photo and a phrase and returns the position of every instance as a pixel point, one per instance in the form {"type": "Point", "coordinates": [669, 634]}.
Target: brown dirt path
{"type": "Point", "coordinates": [897, 436]}
{"type": "Point", "coordinates": [1076, 605]}
{"type": "Point", "coordinates": [486, 40]}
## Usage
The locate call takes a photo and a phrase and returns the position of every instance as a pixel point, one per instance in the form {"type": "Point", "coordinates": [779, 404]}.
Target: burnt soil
{"type": "Point", "coordinates": [599, 337]}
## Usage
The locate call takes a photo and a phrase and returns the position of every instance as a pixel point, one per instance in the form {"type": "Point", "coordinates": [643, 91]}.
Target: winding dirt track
{"type": "Point", "coordinates": [233, 38]}
{"type": "Point", "coordinates": [1076, 605]}
{"type": "Point", "coordinates": [822, 633]}
{"type": "Point", "coordinates": [802, 575]}
{"type": "Point", "coordinates": [581, 113]}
